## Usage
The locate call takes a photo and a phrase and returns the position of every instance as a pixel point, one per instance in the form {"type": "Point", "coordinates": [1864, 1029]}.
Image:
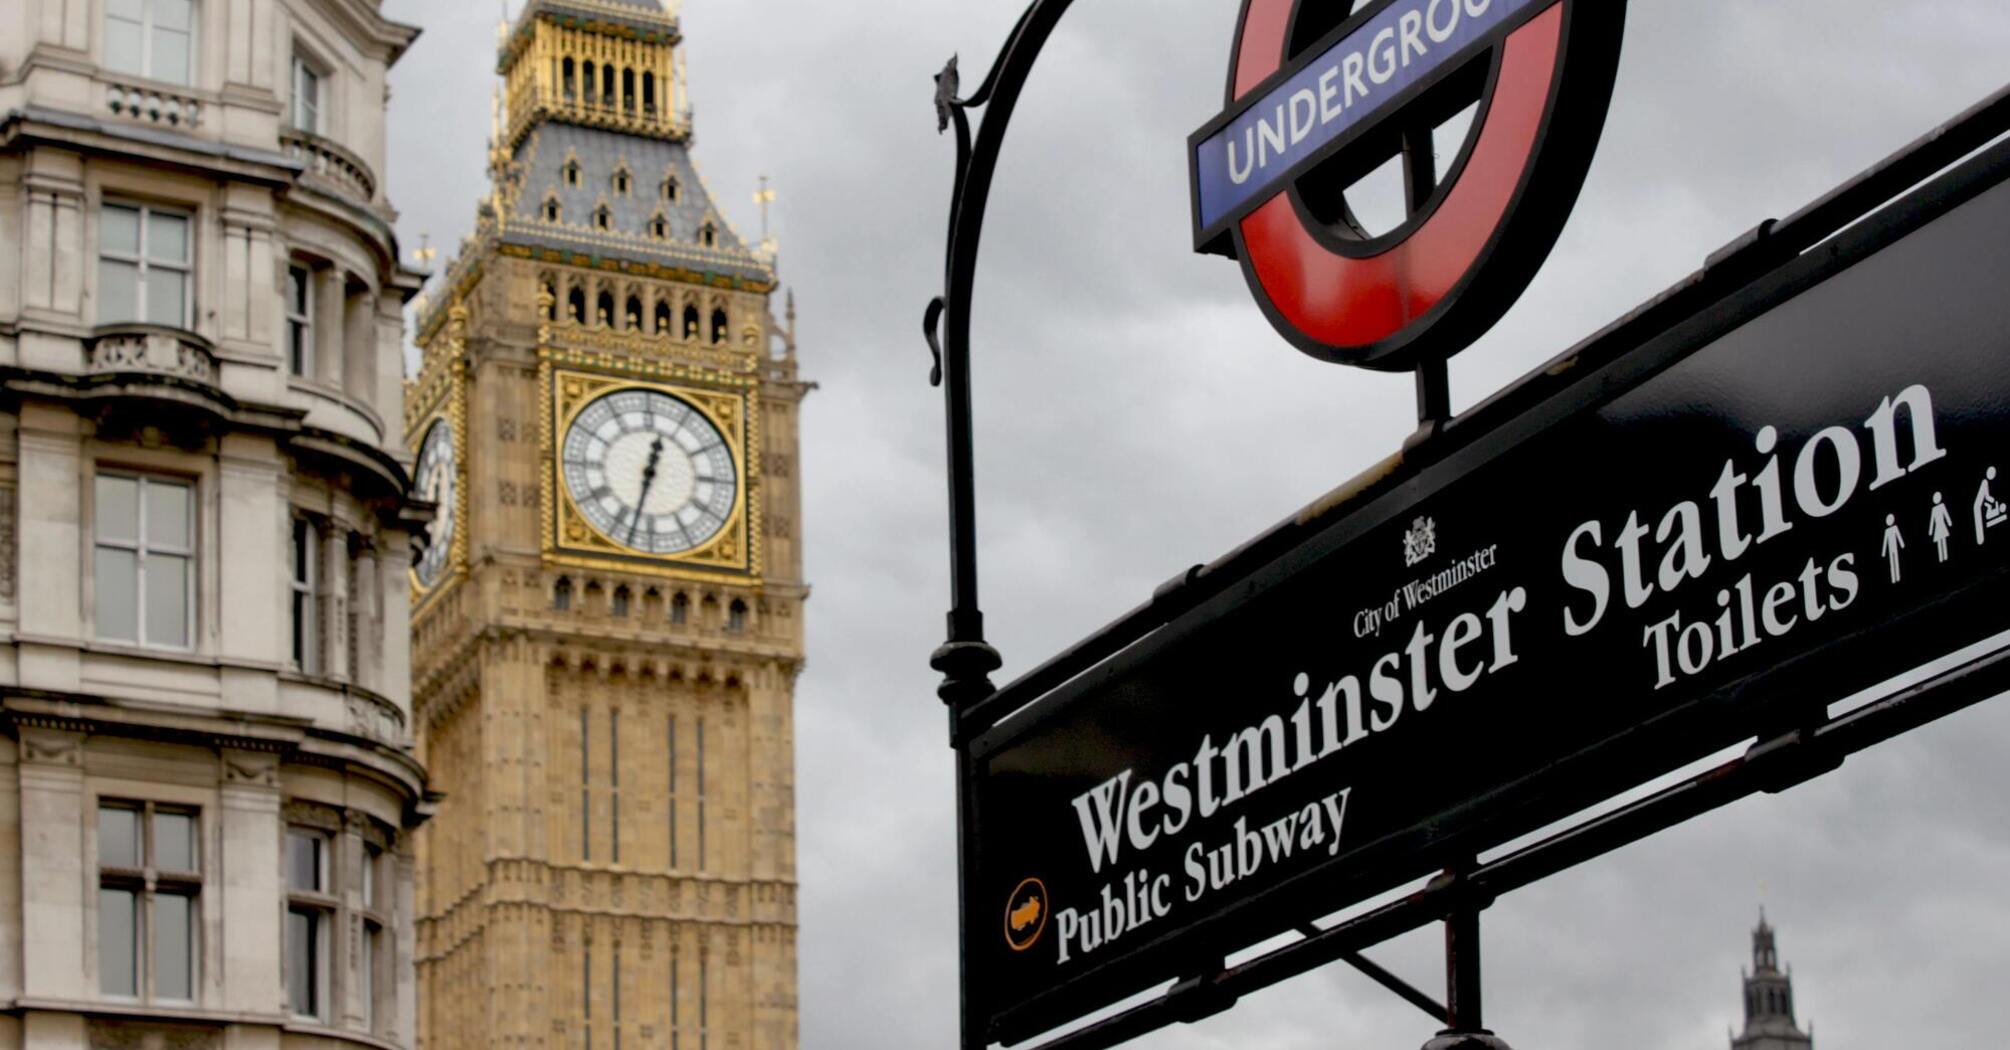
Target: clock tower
{"type": "Point", "coordinates": [607, 618]}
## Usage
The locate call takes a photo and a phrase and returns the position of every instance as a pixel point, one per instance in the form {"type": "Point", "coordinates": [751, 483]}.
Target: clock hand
{"type": "Point", "coordinates": [648, 482]}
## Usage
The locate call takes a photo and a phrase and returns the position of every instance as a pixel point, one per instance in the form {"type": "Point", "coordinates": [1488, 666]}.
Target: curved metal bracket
{"type": "Point", "coordinates": [965, 659]}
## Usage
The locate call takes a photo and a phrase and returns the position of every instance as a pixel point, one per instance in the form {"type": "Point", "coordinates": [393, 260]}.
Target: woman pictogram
{"type": "Point", "coordinates": [1941, 527]}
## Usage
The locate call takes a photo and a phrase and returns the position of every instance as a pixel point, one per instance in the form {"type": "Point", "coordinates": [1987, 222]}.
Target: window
{"type": "Point", "coordinates": [310, 904]}
{"type": "Point", "coordinates": [561, 595]}
{"type": "Point", "coordinates": [662, 318]}
{"type": "Point", "coordinates": [718, 326]}
{"type": "Point", "coordinates": [619, 606]}
{"type": "Point", "coordinates": [701, 804]}
{"type": "Point", "coordinates": [376, 918]}
{"type": "Point", "coordinates": [149, 876]}
{"type": "Point", "coordinates": [306, 97]}
{"type": "Point", "coordinates": [306, 596]}
{"type": "Point", "coordinates": [299, 320]}
{"type": "Point", "coordinates": [672, 804]}
{"type": "Point", "coordinates": [551, 212]}
{"type": "Point", "coordinates": [680, 609]}
{"type": "Point", "coordinates": [633, 314]}
{"type": "Point", "coordinates": [572, 173]}
{"type": "Point", "coordinates": [690, 322]}
{"type": "Point", "coordinates": [143, 265]}
{"type": "Point", "coordinates": [708, 236]}
{"type": "Point", "coordinates": [736, 617]}
{"type": "Point", "coordinates": [622, 182]}
{"type": "Point", "coordinates": [145, 561]}
{"type": "Point", "coordinates": [151, 38]}
{"type": "Point", "coordinates": [603, 218]}
{"type": "Point", "coordinates": [659, 227]}
{"type": "Point", "coordinates": [669, 189]}
{"type": "Point", "coordinates": [676, 961]}
{"type": "Point", "coordinates": [575, 306]}
{"type": "Point", "coordinates": [614, 781]}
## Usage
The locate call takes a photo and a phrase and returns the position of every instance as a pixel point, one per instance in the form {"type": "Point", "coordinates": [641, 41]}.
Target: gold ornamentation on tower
{"type": "Point", "coordinates": [605, 645]}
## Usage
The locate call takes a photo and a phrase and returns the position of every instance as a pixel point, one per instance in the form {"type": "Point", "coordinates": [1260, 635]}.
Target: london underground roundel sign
{"type": "Point", "coordinates": [1320, 97]}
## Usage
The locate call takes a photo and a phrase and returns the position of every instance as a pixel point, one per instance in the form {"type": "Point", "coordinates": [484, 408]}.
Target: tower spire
{"type": "Point", "coordinates": [1769, 999]}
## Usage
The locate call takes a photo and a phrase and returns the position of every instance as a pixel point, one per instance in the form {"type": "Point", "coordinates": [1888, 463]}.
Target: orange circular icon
{"type": "Point", "coordinates": [1026, 915]}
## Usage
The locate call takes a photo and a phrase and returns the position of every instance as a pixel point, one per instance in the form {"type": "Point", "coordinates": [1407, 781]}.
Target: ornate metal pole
{"type": "Point", "coordinates": [965, 659]}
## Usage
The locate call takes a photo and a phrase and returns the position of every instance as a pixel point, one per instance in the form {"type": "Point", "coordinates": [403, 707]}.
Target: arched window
{"type": "Point", "coordinates": [736, 617]}
{"type": "Point", "coordinates": [604, 310]}
{"type": "Point", "coordinates": [708, 236]}
{"type": "Point", "coordinates": [662, 318]}
{"type": "Point", "coordinates": [572, 173]}
{"type": "Point", "coordinates": [659, 227]}
{"type": "Point", "coordinates": [549, 300]}
{"type": "Point", "coordinates": [628, 90]}
{"type": "Point", "coordinates": [649, 93]}
{"type": "Point", "coordinates": [575, 305]}
{"type": "Point", "coordinates": [561, 595]}
{"type": "Point", "coordinates": [670, 188]}
{"type": "Point", "coordinates": [592, 82]}
{"type": "Point", "coordinates": [718, 326]}
{"type": "Point", "coordinates": [620, 603]}
{"type": "Point", "coordinates": [571, 85]}
{"type": "Point", "coordinates": [603, 219]}
{"type": "Point", "coordinates": [621, 182]}
{"type": "Point", "coordinates": [690, 322]}
{"type": "Point", "coordinates": [652, 604]}
{"type": "Point", "coordinates": [607, 86]}
{"type": "Point", "coordinates": [680, 608]}
{"type": "Point", "coordinates": [551, 213]}
{"type": "Point", "coordinates": [634, 317]}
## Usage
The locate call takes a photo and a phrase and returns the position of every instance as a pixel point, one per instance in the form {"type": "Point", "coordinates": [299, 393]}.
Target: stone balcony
{"type": "Point", "coordinates": [151, 102]}
{"type": "Point", "coordinates": [331, 164]}
{"type": "Point", "coordinates": [126, 349]}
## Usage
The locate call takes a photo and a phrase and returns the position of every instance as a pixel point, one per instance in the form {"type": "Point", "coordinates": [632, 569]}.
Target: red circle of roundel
{"type": "Point", "coordinates": [1452, 272]}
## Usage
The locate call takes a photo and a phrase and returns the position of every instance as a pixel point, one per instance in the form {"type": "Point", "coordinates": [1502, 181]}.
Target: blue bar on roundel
{"type": "Point", "coordinates": [1348, 87]}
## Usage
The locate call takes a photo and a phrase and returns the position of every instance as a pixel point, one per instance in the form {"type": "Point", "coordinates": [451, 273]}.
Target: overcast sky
{"type": "Point", "coordinates": [1137, 415]}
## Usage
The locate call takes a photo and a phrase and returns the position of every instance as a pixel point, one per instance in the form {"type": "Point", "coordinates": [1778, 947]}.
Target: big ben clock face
{"type": "Point", "coordinates": [435, 479]}
{"type": "Point", "coordinates": [650, 472]}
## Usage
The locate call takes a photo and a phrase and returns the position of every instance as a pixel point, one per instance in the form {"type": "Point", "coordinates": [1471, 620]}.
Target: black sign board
{"type": "Point", "coordinates": [1710, 536]}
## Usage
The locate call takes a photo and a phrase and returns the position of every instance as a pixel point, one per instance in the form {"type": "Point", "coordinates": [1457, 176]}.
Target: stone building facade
{"type": "Point", "coordinates": [207, 783]}
{"type": "Point", "coordinates": [608, 629]}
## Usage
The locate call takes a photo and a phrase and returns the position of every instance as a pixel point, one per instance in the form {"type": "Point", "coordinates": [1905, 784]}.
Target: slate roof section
{"type": "Point", "coordinates": [645, 16]}
{"type": "Point", "coordinates": [541, 160]}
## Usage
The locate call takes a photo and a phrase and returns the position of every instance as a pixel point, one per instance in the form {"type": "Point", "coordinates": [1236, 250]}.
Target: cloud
{"type": "Point", "coordinates": [1137, 415]}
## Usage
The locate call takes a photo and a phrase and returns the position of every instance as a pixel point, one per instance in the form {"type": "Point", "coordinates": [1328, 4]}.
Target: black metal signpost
{"type": "Point", "coordinates": [1783, 481]}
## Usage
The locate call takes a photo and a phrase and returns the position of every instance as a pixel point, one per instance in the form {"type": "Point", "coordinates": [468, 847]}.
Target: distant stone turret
{"type": "Point", "coordinates": [1769, 1000]}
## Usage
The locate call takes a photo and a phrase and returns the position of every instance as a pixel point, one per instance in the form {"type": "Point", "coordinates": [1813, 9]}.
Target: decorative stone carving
{"type": "Point", "coordinates": [375, 719]}
{"type": "Point", "coordinates": [53, 747]}
{"type": "Point", "coordinates": [253, 768]}
{"type": "Point", "coordinates": [137, 1035]}
{"type": "Point", "coordinates": [7, 550]}
{"type": "Point", "coordinates": [313, 815]}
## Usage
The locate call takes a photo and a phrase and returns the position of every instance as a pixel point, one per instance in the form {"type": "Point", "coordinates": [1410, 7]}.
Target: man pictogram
{"type": "Point", "coordinates": [1894, 542]}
